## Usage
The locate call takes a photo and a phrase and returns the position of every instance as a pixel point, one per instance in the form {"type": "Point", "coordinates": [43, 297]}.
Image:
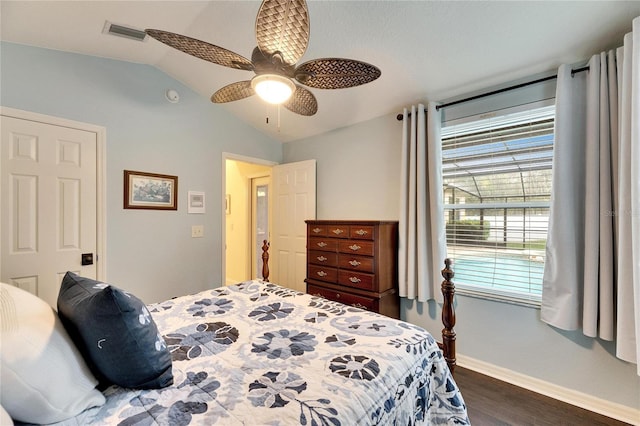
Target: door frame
{"type": "Point", "coordinates": [101, 182]}
{"type": "Point", "coordinates": [223, 220]}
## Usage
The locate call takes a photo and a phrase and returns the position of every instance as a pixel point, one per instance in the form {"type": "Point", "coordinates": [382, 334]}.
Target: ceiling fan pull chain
{"type": "Point", "coordinates": [278, 118]}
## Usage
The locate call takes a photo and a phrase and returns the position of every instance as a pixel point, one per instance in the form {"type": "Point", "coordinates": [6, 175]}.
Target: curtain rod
{"type": "Point", "coordinates": [505, 89]}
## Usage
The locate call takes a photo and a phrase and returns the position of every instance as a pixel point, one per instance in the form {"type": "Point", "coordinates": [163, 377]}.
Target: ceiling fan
{"type": "Point", "coordinates": [282, 35]}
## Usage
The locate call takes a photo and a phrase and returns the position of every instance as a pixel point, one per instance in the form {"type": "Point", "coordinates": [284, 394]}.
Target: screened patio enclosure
{"type": "Point", "coordinates": [497, 191]}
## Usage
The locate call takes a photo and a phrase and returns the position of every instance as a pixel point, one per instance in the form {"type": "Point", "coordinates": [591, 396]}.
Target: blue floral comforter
{"type": "Point", "coordinates": [259, 354]}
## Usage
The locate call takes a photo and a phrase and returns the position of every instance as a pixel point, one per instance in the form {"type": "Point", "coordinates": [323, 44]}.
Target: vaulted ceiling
{"type": "Point", "coordinates": [427, 50]}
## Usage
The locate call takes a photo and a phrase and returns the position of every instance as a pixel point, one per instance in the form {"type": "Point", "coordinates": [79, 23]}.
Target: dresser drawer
{"type": "Point", "coordinates": [356, 279]}
{"type": "Point", "coordinates": [361, 232]}
{"type": "Point", "coordinates": [356, 247]}
{"type": "Point", "coordinates": [355, 263]}
{"type": "Point", "coordinates": [322, 243]}
{"type": "Point", "coordinates": [338, 231]}
{"type": "Point", "coordinates": [322, 273]}
{"type": "Point", "coordinates": [318, 230]}
{"type": "Point", "coordinates": [325, 258]}
{"type": "Point", "coordinates": [344, 297]}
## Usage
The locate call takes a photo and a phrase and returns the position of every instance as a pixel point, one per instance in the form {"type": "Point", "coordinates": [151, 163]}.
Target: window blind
{"type": "Point", "coordinates": [497, 189]}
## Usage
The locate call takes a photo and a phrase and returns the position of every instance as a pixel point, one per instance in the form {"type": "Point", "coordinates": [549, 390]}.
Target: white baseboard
{"type": "Point", "coordinates": [570, 396]}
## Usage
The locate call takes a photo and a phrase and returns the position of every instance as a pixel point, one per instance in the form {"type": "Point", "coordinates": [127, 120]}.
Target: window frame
{"type": "Point", "coordinates": [494, 294]}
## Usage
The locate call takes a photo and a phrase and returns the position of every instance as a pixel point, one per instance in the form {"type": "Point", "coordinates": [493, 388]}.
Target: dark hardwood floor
{"type": "Point", "coordinates": [496, 403]}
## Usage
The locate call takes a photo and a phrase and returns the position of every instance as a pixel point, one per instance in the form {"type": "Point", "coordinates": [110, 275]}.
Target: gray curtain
{"type": "Point", "coordinates": [592, 269]}
{"type": "Point", "coordinates": [422, 239]}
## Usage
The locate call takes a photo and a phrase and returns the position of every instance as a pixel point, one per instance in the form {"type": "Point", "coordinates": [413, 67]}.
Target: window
{"type": "Point", "coordinates": [497, 189]}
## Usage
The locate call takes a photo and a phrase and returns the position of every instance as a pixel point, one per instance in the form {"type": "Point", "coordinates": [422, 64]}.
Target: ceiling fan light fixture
{"type": "Point", "coordinates": [273, 88]}
{"type": "Point", "coordinates": [282, 36]}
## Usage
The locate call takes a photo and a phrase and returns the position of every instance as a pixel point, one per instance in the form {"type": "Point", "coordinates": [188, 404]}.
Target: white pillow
{"type": "Point", "coordinates": [43, 378]}
{"type": "Point", "coordinates": [5, 420]}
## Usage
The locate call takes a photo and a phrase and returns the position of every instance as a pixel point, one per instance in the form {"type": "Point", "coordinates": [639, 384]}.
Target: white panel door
{"type": "Point", "coordinates": [48, 204]}
{"type": "Point", "coordinates": [294, 187]}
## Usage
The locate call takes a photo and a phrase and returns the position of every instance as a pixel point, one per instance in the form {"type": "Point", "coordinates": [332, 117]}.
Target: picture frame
{"type": "Point", "coordinates": [151, 191]}
{"type": "Point", "coordinates": [196, 203]}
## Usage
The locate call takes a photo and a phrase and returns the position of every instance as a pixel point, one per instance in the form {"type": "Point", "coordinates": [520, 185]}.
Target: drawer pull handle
{"type": "Point", "coordinates": [337, 295]}
{"type": "Point", "coordinates": [317, 295]}
{"type": "Point", "coordinates": [354, 263]}
{"type": "Point", "coordinates": [322, 244]}
{"type": "Point", "coordinates": [321, 258]}
{"type": "Point", "coordinates": [322, 273]}
{"type": "Point", "coordinates": [337, 231]}
{"type": "Point", "coordinates": [316, 230]}
{"type": "Point", "coordinates": [358, 305]}
{"type": "Point", "coordinates": [355, 247]}
{"type": "Point", "coordinates": [361, 232]}
{"type": "Point", "coordinates": [354, 279]}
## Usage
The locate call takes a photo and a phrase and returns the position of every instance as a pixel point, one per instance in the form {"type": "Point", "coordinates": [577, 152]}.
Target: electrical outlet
{"type": "Point", "coordinates": [197, 231]}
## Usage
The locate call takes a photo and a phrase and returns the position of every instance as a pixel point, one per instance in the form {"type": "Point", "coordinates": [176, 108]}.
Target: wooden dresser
{"type": "Point", "coordinates": [354, 262]}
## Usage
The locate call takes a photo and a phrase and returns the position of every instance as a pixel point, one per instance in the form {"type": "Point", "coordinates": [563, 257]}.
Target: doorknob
{"type": "Point", "coordinates": [87, 259]}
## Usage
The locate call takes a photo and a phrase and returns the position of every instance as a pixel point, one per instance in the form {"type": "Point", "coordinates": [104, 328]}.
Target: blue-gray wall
{"type": "Point", "coordinates": [150, 253]}
{"type": "Point", "coordinates": [358, 176]}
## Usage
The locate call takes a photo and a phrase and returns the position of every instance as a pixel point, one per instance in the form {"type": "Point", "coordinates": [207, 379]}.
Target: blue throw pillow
{"type": "Point", "coordinates": [115, 333]}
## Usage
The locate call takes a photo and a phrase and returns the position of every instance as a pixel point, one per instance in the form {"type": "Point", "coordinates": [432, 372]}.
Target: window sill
{"type": "Point", "coordinates": [510, 298]}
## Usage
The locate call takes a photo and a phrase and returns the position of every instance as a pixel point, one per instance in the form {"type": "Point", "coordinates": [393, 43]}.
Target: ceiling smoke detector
{"type": "Point", "coordinates": [124, 31]}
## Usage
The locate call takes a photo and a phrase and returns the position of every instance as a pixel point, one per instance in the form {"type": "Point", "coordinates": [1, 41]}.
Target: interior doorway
{"type": "Point", "coordinates": [52, 185]}
{"type": "Point", "coordinates": [247, 219]}
{"type": "Point", "coordinates": [259, 221]}
{"type": "Point", "coordinates": [290, 198]}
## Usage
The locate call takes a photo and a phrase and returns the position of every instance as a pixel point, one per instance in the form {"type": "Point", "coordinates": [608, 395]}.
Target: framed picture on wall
{"type": "Point", "coordinates": [196, 202]}
{"type": "Point", "coordinates": [150, 191]}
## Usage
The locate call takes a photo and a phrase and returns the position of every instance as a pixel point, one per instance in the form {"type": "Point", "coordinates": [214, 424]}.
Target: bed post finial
{"type": "Point", "coordinates": [448, 316]}
{"type": "Point", "coordinates": [265, 260]}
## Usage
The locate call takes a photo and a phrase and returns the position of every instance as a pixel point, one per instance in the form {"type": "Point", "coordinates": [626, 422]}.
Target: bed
{"type": "Point", "coordinates": [258, 353]}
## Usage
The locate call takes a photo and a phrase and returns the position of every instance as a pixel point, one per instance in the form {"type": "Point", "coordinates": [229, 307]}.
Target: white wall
{"type": "Point", "coordinates": [359, 178]}
{"type": "Point", "coordinates": [149, 253]}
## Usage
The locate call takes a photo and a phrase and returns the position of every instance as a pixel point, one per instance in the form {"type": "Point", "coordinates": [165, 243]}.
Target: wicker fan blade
{"type": "Point", "coordinates": [283, 26]}
{"type": "Point", "coordinates": [336, 73]}
{"type": "Point", "coordinates": [202, 49]}
{"type": "Point", "coordinates": [302, 102]}
{"type": "Point", "coordinates": [233, 92]}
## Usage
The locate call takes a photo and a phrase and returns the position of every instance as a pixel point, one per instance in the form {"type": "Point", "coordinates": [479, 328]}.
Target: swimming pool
{"type": "Point", "coordinates": [502, 273]}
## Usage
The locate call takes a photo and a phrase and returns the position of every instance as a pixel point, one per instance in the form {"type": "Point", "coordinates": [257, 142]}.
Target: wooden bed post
{"type": "Point", "coordinates": [265, 260]}
{"type": "Point", "coordinates": [448, 316]}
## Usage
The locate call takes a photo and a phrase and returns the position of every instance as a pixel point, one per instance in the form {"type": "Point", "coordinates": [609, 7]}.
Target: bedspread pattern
{"type": "Point", "coordinates": [257, 353]}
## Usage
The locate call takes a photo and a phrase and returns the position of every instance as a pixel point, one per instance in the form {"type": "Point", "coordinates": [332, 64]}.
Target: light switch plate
{"type": "Point", "coordinates": [197, 231]}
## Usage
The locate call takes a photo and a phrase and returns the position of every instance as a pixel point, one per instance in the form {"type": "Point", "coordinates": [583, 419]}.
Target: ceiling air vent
{"type": "Point", "coordinates": [123, 31]}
